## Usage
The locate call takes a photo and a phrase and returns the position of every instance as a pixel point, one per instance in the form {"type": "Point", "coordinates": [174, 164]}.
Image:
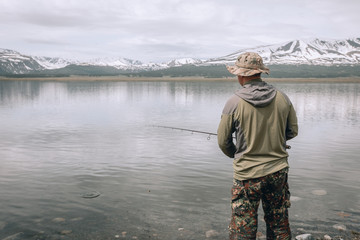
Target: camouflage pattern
{"type": "Point", "coordinates": [248, 64]}
{"type": "Point", "coordinates": [273, 190]}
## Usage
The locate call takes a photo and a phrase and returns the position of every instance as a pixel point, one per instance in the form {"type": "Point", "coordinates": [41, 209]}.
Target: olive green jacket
{"type": "Point", "coordinates": [263, 119]}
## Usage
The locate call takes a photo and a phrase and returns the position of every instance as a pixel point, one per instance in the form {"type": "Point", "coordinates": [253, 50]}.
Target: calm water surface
{"type": "Point", "coordinates": [60, 140]}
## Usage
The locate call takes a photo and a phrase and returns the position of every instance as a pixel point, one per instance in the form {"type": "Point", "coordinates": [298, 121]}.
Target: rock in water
{"type": "Point", "coordinates": [304, 237]}
{"type": "Point", "coordinates": [327, 237]}
{"type": "Point", "coordinates": [260, 235]}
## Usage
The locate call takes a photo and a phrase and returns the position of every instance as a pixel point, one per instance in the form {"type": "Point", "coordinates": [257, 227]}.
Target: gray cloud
{"type": "Point", "coordinates": [164, 29]}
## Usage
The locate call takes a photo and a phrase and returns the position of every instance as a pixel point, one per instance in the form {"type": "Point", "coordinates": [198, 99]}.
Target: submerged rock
{"type": "Point", "coordinates": [355, 235]}
{"type": "Point", "coordinates": [2, 225]}
{"type": "Point", "coordinates": [320, 192]}
{"type": "Point", "coordinates": [66, 232]}
{"type": "Point", "coordinates": [343, 214]}
{"type": "Point", "coordinates": [16, 236]}
{"type": "Point", "coordinates": [340, 227]}
{"type": "Point", "coordinates": [306, 236]}
{"type": "Point", "coordinates": [58, 220]}
{"type": "Point", "coordinates": [211, 233]}
{"type": "Point", "coordinates": [294, 198]}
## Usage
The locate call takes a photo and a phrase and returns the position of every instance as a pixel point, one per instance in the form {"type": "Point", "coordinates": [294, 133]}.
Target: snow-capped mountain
{"type": "Point", "coordinates": [310, 52]}
{"type": "Point", "coordinates": [54, 63]}
{"type": "Point", "coordinates": [297, 52]}
{"type": "Point", "coordinates": [114, 62]}
{"type": "Point", "coordinates": [16, 63]}
{"type": "Point", "coordinates": [129, 64]}
{"type": "Point", "coordinates": [124, 64]}
{"type": "Point", "coordinates": [184, 61]}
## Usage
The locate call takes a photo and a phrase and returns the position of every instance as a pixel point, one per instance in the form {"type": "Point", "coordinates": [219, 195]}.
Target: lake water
{"type": "Point", "coordinates": [63, 140]}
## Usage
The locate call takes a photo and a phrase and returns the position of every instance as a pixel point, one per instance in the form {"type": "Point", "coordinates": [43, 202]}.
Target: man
{"type": "Point", "coordinates": [263, 119]}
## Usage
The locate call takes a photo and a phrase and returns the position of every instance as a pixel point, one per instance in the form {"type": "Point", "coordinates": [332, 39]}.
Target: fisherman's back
{"type": "Point", "coordinates": [261, 149]}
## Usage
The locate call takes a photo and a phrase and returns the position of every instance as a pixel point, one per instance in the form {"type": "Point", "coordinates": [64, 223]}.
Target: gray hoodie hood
{"type": "Point", "coordinates": [257, 93]}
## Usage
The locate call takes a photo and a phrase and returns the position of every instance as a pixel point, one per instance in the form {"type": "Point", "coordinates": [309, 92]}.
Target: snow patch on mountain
{"type": "Point", "coordinates": [10, 55]}
{"type": "Point", "coordinates": [125, 63]}
{"type": "Point", "coordinates": [119, 63]}
{"type": "Point", "coordinates": [312, 52]}
{"type": "Point", "coordinates": [183, 61]}
{"type": "Point", "coordinates": [14, 62]}
{"type": "Point", "coordinates": [54, 62]}
{"type": "Point", "coordinates": [130, 64]}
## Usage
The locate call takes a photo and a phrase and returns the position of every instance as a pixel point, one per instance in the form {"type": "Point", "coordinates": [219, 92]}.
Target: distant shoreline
{"type": "Point", "coordinates": [154, 79]}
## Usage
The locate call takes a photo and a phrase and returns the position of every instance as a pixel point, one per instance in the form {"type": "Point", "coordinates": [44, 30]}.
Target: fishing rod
{"type": "Point", "coordinates": [197, 131]}
{"type": "Point", "coordinates": [188, 130]}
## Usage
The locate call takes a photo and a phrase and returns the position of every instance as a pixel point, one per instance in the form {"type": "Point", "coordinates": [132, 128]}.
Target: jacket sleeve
{"type": "Point", "coordinates": [224, 134]}
{"type": "Point", "coordinates": [292, 125]}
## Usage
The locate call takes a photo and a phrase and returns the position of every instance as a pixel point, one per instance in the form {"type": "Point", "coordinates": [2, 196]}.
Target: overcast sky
{"type": "Point", "coordinates": [161, 30]}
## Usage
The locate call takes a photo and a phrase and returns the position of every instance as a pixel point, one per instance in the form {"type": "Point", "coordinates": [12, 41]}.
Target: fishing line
{"type": "Point", "coordinates": [197, 131]}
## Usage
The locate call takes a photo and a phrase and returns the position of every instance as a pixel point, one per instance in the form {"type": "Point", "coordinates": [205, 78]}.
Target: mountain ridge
{"type": "Point", "coordinates": [313, 52]}
{"type": "Point", "coordinates": [310, 52]}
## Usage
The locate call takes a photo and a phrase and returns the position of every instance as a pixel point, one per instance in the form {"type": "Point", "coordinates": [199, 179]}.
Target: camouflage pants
{"type": "Point", "coordinates": [273, 191]}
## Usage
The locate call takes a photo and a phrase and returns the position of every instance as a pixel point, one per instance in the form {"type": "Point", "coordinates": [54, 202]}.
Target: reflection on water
{"type": "Point", "coordinates": [61, 140]}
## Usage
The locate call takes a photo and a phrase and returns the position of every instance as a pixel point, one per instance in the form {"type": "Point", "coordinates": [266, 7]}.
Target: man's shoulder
{"type": "Point", "coordinates": [231, 104]}
{"type": "Point", "coordinates": [284, 96]}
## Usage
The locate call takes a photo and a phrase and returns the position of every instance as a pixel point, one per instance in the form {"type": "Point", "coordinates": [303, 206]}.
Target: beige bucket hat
{"type": "Point", "coordinates": [248, 64]}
